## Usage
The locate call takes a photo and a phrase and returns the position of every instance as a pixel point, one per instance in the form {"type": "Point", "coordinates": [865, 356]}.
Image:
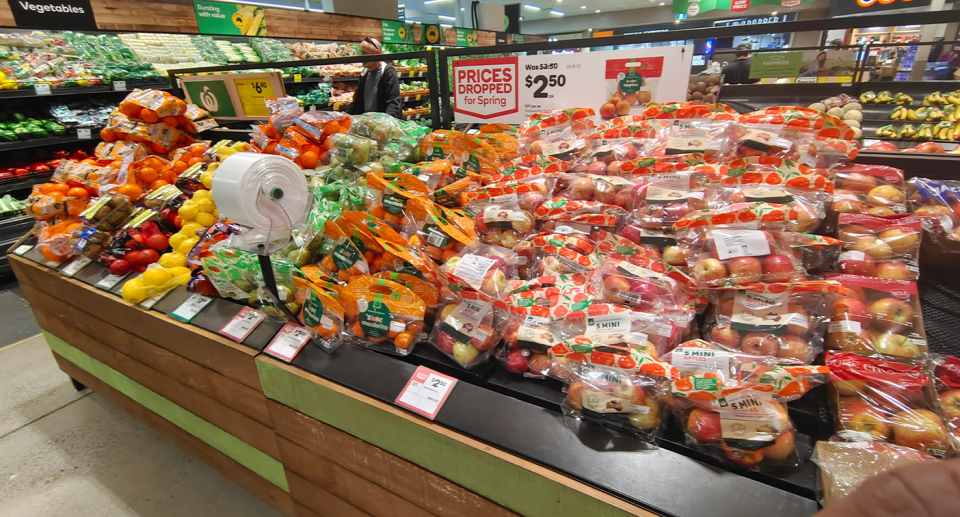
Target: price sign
{"type": "Point", "coordinates": [418, 97]}
{"type": "Point", "coordinates": [288, 342]}
{"type": "Point", "coordinates": [41, 89]}
{"type": "Point", "coordinates": [119, 86]}
{"type": "Point", "coordinates": [189, 308]}
{"type": "Point", "coordinates": [51, 263]}
{"type": "Point", "coordinates": [326, 78]}
{"type": "Point", "coordinates": [150, 302]}
{"type": "Point", "coordinates": [253, 94]}
{"type": "Point", "coordinates": [425, 392]}
{"type": "Point", "coordinates": [21, 249]}
{"type": "Point", "coordinates": [75, 266]}
{"type": "Point", "coordinates": [110, 281]}
{"type": "Point", "coordinates": [297, 78]}
{"type": "Point", "coordinates": [242, 324]}
{"type": "Point", "coordinates": [83, 133]}
{"type": "Point", "coordinates": [336, 106]}
{"type": "Point", "coordinates": [541, 82]}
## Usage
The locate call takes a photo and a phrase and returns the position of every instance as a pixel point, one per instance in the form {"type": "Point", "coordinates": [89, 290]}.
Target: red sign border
{"type": "Point", "coordinates": [511, 60]}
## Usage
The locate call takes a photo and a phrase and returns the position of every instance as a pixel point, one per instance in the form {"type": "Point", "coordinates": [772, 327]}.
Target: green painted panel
{"type": "Point", "coordinates": [496, 479]}
{"type": "Point", "coordinates": [241, 452]}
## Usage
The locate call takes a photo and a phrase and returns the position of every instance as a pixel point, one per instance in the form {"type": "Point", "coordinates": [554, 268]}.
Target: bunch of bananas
{"type": "Point", "coordinates": [942, 130]}
{"type": "Point", "coordinates": [948, 113]}
{"type": "Point", "coordinates": [937, 98]}
{"type": "Point", "coordinates": [883, 97]}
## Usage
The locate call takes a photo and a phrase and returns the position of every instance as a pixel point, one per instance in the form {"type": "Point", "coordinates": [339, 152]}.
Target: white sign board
{"type": "Point", "coordinates": [511, 89]}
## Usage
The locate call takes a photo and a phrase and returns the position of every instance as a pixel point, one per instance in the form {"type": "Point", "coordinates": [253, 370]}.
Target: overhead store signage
{"type": "Point", "coordinates": [229, 19]}
{"type": "Point", "coordinates": [54, 14]}
{"type": "Point", "coordinates": [506, 38]}
{"type": "Point", "coordinates": [466, 37]}
{"type": "Point", "coordinates": [842, 7]}
{"type": "Point", "coordinates": [510, 89]}
{"type": "Point", "coordinates": [808, 66]}
{"type": "Point", "coordinates": [432, 34]}
{"type": "Point", "coordinates": [756, 20]}
{"type": "Point", "coordinates": [396, 32]}
{"type": "Point", "coordinates": [695, 7]}
{"type": "Point", "coordinates": [234, 96]}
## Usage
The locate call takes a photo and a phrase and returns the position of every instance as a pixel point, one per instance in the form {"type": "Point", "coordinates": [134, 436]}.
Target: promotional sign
{"type": "Point", "coordinates": [237, 96]}
{"type": "Point", "coordinates": [54, 14]}
{"type": "Point", "coordinates": [695, 7]}
{"type": "Point", "coordinates": [843, 7]}
{"type": "Point", "coordinates": [466, 37]}
{"type": "Point", "coordinates": [432, 34]}
{"type": "Point", "coordinates": [396, 32]}
{"type": "Point", "coordinates": [229, 19]}
{"type": "Point", "coordinates": [776, 64]}
{"type": "Point", "coordinates": [808, 66]}
{"type": "Point", "coordinates": [756, 20]}
{"type": "Point", "coordinates": [510, 89]}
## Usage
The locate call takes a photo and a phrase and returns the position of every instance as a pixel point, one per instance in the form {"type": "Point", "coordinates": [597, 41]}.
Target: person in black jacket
{"type": "Point", "coordinates": [379, 86]}
{"type": "Point", "coordinates": [738, 72]}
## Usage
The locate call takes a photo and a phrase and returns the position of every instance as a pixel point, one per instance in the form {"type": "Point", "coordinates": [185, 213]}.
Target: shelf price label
{"type": "Point", "coordinates": [241, 325]}
{"type": "Point", "coordinates": [119, 86]}
{"type": "Point", "coordinates": [425, 392]}
{"type": "Point", "coordinates": [288, 342]}
{"type": "Point", "coordinates": [41, 89]}
{"type": "Point", "coordinates": [189, 308]}
{"type": "Point", "coordinates": [75, 266]}
{"type": "Point", "coordinates": [297, 78]}
{"type": "Point", "coordinates": [110, 281]}
{"type": "Point", "coordinates": [253, 94]}
{"type": "Point", "coordinates": [21, 249]}
{"type": "Point", "coordinates": [153, 300]}
{"type": "Point", "coordinates": [83, 133]}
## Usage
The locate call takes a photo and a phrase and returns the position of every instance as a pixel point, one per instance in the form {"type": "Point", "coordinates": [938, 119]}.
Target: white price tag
{"type": "Point", "coordinates": [242, 324]}
{"type": "Point", "coordinates": [189, 308]}
{"type": "Point", "coordinates": [110, 281]}
{"type": "Point", "coordinates": [51, 263]}
{"type": "Point", "coordinates": [425, 392]}
{"type": "Point", "coordinates": [849, 326]}
{"type": "Point", "coordinates": [740, 243]}
{"type": "Point", "coordinates": [41, 89]}
{"type": "Point", "coordinates": [75, 266]}
{"type": "Point", "coordinates": [150, 302]}
{"type": "Point", "coordinates": [288, 342]}
{"type": "Point", "coordinates": [21, 249]}
{"type": "Point", "coordinates": [326, 78]}
{"type": "Point", "coordinates": [119, 86]}
{"type": "Point", "coordinates": [83, 133]}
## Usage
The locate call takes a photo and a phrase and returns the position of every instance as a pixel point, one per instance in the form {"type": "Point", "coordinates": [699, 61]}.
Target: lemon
{"type": "Point", "coordinates": [188, 211]}
{"type": "Point", "coordinates": [205, 218]}
{"type": "Point", "coordinates": [206, 205]}
{"type": "Point", "coordinates": [187, 245]}
{"type": "Point", "coordinates": [200, 195]}
{"type": "Point", "coordinates": [169, 260]}
{"type": "Point", "coordinates": [180, 274]}
{"type": "Point", "coordinates": [175, 241]}
{"type": "Point", "coordinates": [134, 291]}
{"type": "Point", "coordinates": [156, 277]}
{"type": "Point", "coordinates": [190, 229]}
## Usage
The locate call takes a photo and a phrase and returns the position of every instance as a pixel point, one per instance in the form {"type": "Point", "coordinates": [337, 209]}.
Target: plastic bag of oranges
{"type": "Point", "coordinates": [153, 106]}
{"type": "Point", "coordinates": [51, 200]}
{"type": "Point", "coordinates": [383, 315]}
{"type": "Point", "coordinates": [54, 239]}
{"type": "Point", "coordinates": [394, 190]}
{"type": "Point", "coordinates": [320, 312]}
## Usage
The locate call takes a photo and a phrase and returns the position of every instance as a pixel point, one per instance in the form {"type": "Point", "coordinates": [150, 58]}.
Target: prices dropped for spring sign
{"type": "Point", "coordinates": [485, 88]}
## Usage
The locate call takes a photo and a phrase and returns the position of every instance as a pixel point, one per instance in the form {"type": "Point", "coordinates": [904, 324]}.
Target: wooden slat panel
{"type": "Point", "coordinates": [413, 483]}
{"type": "Point", "coordinates": [313, 501]}
{"type": "Point", "coordinates": [239, 397]}
{"type": "Point", "coordinates": [254, 433]}
{"type": "Point", "coordinates": [232, 470]}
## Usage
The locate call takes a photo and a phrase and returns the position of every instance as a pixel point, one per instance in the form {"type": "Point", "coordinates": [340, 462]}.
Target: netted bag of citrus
{"type": "Point", "coordinates": [383, 315]}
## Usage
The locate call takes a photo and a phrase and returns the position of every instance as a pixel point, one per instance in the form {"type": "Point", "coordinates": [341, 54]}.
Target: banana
{"type": "Point", "coordinates": [887, 131]}
{"type": "Point", "coordinates": [897, 113]}
{"type": "Point", "coordinates": [902, 99]}
{"type": "Point", "coordinates": [935, 114]}
{"type": "Point", "coordinates": [884, 97]}
{"type": "Point", "coordinates": [907, 131]}
{"type": "Point", "coordinates": [868, 98]}
{"type": "Point", "coordinates": [912, 115]}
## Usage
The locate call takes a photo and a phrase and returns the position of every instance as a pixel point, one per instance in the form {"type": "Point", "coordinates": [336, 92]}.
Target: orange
{"type": "Point", "coordinates": [157, 148]}
{"type": "Point", "coordinates": [198, 149]}
{"type": "Point", "coordinates": [179, 166]}
{"type": "Point", "coordinates": [181, 107]}
{"type": "Point", "coordinates": [169, 120]}
{"type": "Point", "coordinates": [192, 161]}
{"type": "Point", "coordinates": [169, 175]}
{"type": "Point", "coordinates": [116, 164]}
{"type": "Point", "coordinates": [49, 255]}
{"type": "Point", "coordinates": [107, 135]}
{"type": "Point", "coordinates": [309, 160]}
{"type": "Point", "coordinates": [181, 120]}
{"type": "Point", "coordinates": [56, 194]}
{"type": "Point", "coordinates": [153, 162]}
{"type": "Point", "coordinates": [157, 184]}
{"type": "Point", "coordinates": [79, 192]}
{"type": "Point", "coordinates": [130, 109]}
{"type": "Point", "coordinates": [148, 175]}
{"type": "Point", "coordinates": [271, 148]}
{"type": "Point", "coordinates": [328, 264]}
{"type": "Point", "coordinates": [357, 329]}
{"type": "Point", "coordinates": [149, 116]}
{"type": "Point", "coordinates": [403, 340]}
{"type": "Point", "coordinates": [133, 192]}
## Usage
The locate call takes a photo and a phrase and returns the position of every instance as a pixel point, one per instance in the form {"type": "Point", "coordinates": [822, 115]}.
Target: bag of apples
{"type": "Point", "coordinates": [713, 138]}
{"type": "Point", "coordinates": [465, 330]}
{"type": "Point", "coordinates": [482, 267]}
{"type": "Point", "coordinates": [809, 206]}
{"type": "Point", "coordinates": [891, 400]}
{"type": "Point", "coordinates": [661, 200]}
{"type": "Point", "coordinates": [621, 400]}
{"type": "Point", "coordinates": [502, 222]}
{"type": "Point", "coordinates": [946, 379]}
{"type": "Point", "coordinates": [937, 203]}
{"type": "Point", "coordinates": [529, 166]}
{"type": "Point", "coordinates": [866, 189]}
{"type": "Point", "coordinates": [644, 286]}
{"type": "Point", "coordinates": [726, 258]}
{"type": "Point", "coordinates": [774, 320]}
{"type": "Point", "coordinates": [883, 247]}
{"type": "Point", "coordinates": [529, 192]}
{"type": "Point", "coordinates": [877, 316]}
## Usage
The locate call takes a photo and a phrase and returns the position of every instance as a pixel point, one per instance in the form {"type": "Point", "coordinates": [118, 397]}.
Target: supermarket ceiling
{"type": "Point", "coordinates": [443, 10]}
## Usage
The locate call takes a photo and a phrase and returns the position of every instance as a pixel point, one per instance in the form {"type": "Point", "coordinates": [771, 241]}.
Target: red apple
{"type": "Point", "coordinates": [849, 233]}
{"type": "Point", "coordinates": [920, 429]}
{"type": "Point", "coordinates": [574, 392]}
{"type": "Point", "coordinates": [608, 110]}
{"type": "Point", "coordinates": [645, 292]}
{"type": "Point", "coordinates": [858, 263]}
{"type": "Point", "coordinates": [486, 339]}
{"type": "Point", "coordinates": [781, 449]}
{"type": "Point", "coordinates": [885, 195]}
{"type": "Point", "coordinates": [704, 426]}
{"type": "Point", "coordinates": [894, 271]}
{"type": "Point", "coordinates": [445, 343]}
{"type": "Point", "coordinates": [597, 167]}
{"type": "Point", "coordinates": [725, 336]}
{"type": "Point", "coordinates": [539, 364]}
{"type": "Point", "coordinates": [760, 343]}
{"type": "Point", "coordinates": [880, 211]}
{"type": "Point", "coordinates": [674, 256]}
{"type": "Point", "coordinates": [876, 248]}
{"type": "Point", "coordinates": [612, 285]}
{"type": "Point", "coordinates": [709, 270]}
{"type": "Point", "coordinates": [743, 457]}
{"type": "Point", "coordinates": [903, 242]}
{"type": "Point", "coordinates": [852, 309]}
{"type": "Point", "coordinates": [777, 268]}
{"type": "Point", "coordinates": [895, 344]}
{"type": "Point", "coordinates": [517, 363]}
{"type": "Point", "coordinates": [950, 401]}
{"type": "Point", "coordinates": [864, 418]}
{"type": "Point", "coordinates": [858, 182]}
{"type": "Point", "coordinates": [891, 314]}
{"type": "Point", "coordinates": [798, 321]}
{"type": "Point", "coordinates": [794, 348]}
{"type": "Point", "coordinates": [744, 270]}
{"type": "Point", "coordinates": [851, 341]}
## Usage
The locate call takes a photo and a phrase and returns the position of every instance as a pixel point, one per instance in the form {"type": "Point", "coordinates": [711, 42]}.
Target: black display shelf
{"type": "Point", "coordinates": [30, 143]}
{"type": "Point", "coordinates": [22, 183]}
{"type": "Point", "coordinates": [56, 92]}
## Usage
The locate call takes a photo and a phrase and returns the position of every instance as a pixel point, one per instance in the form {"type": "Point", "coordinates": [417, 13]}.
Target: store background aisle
{"type": "Point", "coordinates": [68, 453]}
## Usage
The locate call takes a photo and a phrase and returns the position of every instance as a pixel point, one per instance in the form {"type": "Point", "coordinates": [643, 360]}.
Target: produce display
{"type": "Point", "coordinates": [845, 108]}
{"type": "Point", "coordinates": [581, 250]}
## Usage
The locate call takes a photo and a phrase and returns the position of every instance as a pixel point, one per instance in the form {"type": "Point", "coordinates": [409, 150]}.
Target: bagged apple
{"type": "Point", "coordinates": [867, 189]}
{"type": "Point", "coordinates": [719, 258]}
{"type": "Point", "coordinates": [382, 315]}
{"type": "Point", "coordinates": [774, 320]}
{"type": "Point", "coordinates": [502, 222]}
{"type": "Point", "coordinates": [772, 140]}
{"type": "Point", "coordinates": [645, 287]}
{"type": "Point", "coordinates": [758, 215]}
{"type": "Point", "coordinates": [807, 207]}
{"type": "Point", "coordinates": [608, 190]}
{"type": "Point", "coordinates": [527, 166]}
{"type": "Point", "coordinates": [606, 155]}
{"type": "Point", "coordinates": [883, 247]}
{"type": "Point", "coordinates": [465, 330]}
{"type": "Point", "coordinates": [620, 400]}
{"type": "Point", "coordinates": [891, 400]}
{"type": "Point", "coordinates": [557, 254]}
{"type": "Point", "coordinates": [713, 138]}
{"type": "Point", "coordinates": [877, 316]}
{"type": "Point", "coordinates": [937, 202]}
{"type": "Point", "coordinates": [483, 267]}
{"type": "Point", "coordinates": [661, 200]}
{"type": "Point", "coordinates": [554, 125]}
{"type": "Point", "coordinates": [529, 192]}
{"type": "Point", "coordinates": [946, 379]}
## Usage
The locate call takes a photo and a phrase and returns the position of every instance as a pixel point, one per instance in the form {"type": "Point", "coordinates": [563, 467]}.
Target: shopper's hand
{"type": "Point", "coordinates": [926, 489]}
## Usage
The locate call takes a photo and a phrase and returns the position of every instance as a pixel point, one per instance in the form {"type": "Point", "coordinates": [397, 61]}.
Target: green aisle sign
{"type": "Point", "coordinates": [229, 19]}
{"type": "Point", "coordinates": [396, 32]}
{"type": "Point", "coordinates": [432, 34]}
{"type": "Point", "coordinates": [776, 64]}
{"type": "Point", "coordinates": [692, 8]}
{"type": "Point", "coordinates": [466, 37]}
{"type": "Point", "coordinates": [212, 96]}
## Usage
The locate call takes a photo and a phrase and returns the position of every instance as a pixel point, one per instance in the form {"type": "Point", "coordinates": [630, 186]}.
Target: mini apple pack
{"type": "Point", "coordinates": [883, 247]}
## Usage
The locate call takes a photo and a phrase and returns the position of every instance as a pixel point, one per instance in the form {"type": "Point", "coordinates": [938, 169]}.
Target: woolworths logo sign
{"type": "Point", "coordinates": [62, 14]}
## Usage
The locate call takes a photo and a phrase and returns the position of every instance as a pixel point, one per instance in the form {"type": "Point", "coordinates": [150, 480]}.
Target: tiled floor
{"type": "Point", "coordinates": [16, 319]}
